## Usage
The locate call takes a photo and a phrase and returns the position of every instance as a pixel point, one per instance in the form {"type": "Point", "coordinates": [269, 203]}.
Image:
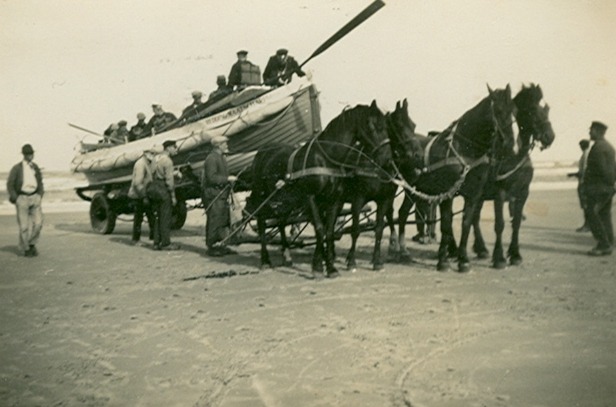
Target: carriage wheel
{"type": "Point", "coordinates": [178, 215]}
{"type": "Point", "coordinates": [102, 217]}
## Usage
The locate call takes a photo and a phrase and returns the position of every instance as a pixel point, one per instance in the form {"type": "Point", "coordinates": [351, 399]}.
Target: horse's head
{"type": "Point", "coordinates": [503, 112]}
{"type": "Point", "coordinates": [371, 132]}
{"type": "Point", "coordinates": [401, 131]}
{"type": "Point", "coordinates": [533, 118]}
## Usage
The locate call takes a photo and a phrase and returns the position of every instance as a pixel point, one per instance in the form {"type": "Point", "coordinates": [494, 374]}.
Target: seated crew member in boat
{"type": "Point", "coordinates": [122, 134]}
{"type": "Point", "coordinates": [243, 72]}
{"type": "Point", "coordinates": [222, 90]}
{"type": "Point", "coordinates": [280, 68]}
{"type": "Point", "coordinates": [191, 111]}
{"type": "Point", "coordinates": [138, 131]}
{"type": "Point", "coordinates": [110, 134]}
{"type": "Point", "coordinates": [161, 120]}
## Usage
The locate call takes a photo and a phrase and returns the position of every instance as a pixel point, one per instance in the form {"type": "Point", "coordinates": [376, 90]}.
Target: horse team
{"type": "Point", "coordinates": [364, 155]}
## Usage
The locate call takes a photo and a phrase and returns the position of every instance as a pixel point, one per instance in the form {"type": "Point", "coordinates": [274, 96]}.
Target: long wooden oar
{"type": "Point", "coordinates": [360, 18]}
{"type": "Point", "coordinates": [86, 130]}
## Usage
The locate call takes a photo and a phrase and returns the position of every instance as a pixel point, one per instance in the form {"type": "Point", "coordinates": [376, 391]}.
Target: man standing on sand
{"type": "Point", "coordinates": [161, 193]}
{"type": "Point", "coordinates": [215, 182]}
{"type": "Point", "coordinates": [584, 145]}
{"type": "Point", "coordinates": [599, 181]}
{"type": "Point", "coordinates": [25, 187]}
{"type": "Point", "coordinates": [142, 177]}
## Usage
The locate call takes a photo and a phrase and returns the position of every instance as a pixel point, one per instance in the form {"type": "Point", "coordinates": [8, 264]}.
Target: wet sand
{"type": "Point", "coordinates": [94, 321]}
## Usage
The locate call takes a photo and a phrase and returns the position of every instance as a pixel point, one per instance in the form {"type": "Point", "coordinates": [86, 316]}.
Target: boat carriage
{"type": "Point", "coordinates": [254, 117]}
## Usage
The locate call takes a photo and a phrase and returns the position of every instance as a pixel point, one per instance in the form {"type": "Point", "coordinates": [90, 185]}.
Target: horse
{"type": "Point", "coordinates": [457, 162]}
{"type": "Point", "coordinates": [375, 184]}
{"type": "Point", "coordinates": [511, 179]}
{"type": "Point", "coordinates": [309, 178]}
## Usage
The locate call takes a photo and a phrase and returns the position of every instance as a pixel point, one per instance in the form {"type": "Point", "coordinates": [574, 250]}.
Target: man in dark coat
{"type": "Point", "coordinates": [280, 68]}
{"type": "Point", "coordinates": [161, 120]}
{"type": "Point", "coordinates": [25, 188]}
{"type": "Point", "coordinates": [215, 183]}
{"type": "Point", "coordinates": [579, 174]}
{"type": "Point", "coordinates": [222, 90]}
{"type": "Point", "coordinates": [242, 66]}
{"type": "Point", "coordinates": [161, 193]}
{"type": "Point", "coordinates": [191, 111]}
{"type": "Point", "coordinates": [599, 180]}
{"type": "Point", "coordinates": [139, 130]}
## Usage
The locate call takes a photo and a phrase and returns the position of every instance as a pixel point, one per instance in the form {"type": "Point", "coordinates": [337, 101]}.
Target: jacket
{"type": "Point", "coordinates": [16, 180]}
{"type": "Point", "coordinates": [600, 173]}
{"type": "Point", "coordinates": [142, 176]}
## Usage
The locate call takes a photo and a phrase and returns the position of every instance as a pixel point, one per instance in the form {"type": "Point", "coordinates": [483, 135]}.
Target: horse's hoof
{"type": "Point", "coordinates": [483, 254]}
{"type": "Point", "coordinates": [377, 267]}
{"type": "Point", "coordinates": [515, 261]}
{"type": "Point", "coordinates": [404, 258]}
{"type": "Point", "coordinates": [333, 274]}
{"type": "Point", "coordinates": [442, 266]}
{"type": "Point", "coordinates": [265, 266]}
{"type": "Point", "coordinates": [500, 264]}
{"type": "Point", "coordinates": [464, 267]}
{"type": "Point", "coordinates": [351, 267]}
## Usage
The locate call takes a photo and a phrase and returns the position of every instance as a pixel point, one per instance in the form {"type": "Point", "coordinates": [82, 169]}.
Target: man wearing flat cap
{"type": "Point", "coordinates": [243, 72]}
{"type": "Point", "coordinates": [122, 132]}
{"type": "Point", "coordinates": [25, 188]}
{"type": "Point", "coordinates": [215, 184]}
{"type": "Point", "coordinates": [599, 179]}
{"type": "Point", "coordinates": [280, 68]}
{"type": "Point", "coordinates": [161, 193]}
{"type": "Point", "coordinates": [161, 120]}
{"type": "Point", "coordinates": [138, 131]}
{"type": "Point", "coordinates": [222, 90]}
{"type": "Point", "coordinates": [190, 112]}
{"type": "Point", "coordinates": [142, 177]}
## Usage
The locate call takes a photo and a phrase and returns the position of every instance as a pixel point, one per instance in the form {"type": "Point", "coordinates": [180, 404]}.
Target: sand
{"type": "Point", "coordinates": [94, 321]}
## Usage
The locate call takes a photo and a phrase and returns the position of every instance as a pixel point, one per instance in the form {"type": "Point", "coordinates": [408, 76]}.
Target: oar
{"type": "Point", "coordinates": [86, 130]}
{"type": "Point", "coordinates": [360, 18]}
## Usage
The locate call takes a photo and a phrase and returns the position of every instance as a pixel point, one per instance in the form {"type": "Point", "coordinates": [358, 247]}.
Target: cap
{"type": "Point", "coordinates": [157, 106]}
{"type": "Point", "coordinates": [584, 143]}
{"type": "Point", "coordinates": [242, 52]}
{"type": "Point", "coordinates": [221, 79]}
{"type": "Point", "coordinates": [168, 143]}
{"type": "Point", "coordinates": [122, 123]}
{"type": "Point", "coordinates": [197, 94]}
{"type": "Point", "coordinates": [282, 51]}
{"type": "Point", "coordinates": [218, 140]}
{"type": "Point", "coordinates": [151, 150]}
{"type": "Point", "coordinates": [27, 149]}
{"type": "Point", "coordinates": [598, 125]}
{"type": "Point", "coordinates": [140, 116]}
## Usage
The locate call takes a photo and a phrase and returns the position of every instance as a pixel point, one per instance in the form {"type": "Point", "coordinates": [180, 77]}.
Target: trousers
{"type": "Point", "coordinates": [160, 199]}
{"type": "Point", "coordinates": [600, 218]}
{"type": "Point", "coordinates": [217, 225]}
{"type": "Point", "coordinates": [29, 219]}
{"type": "Point", "coordinates": [142, 208]}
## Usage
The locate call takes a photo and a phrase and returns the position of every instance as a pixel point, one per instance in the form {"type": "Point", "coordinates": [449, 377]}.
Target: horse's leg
{"type": "Point", "coordinates": [431, 218]}
{"type": "Point", "coordinates": [498, 258]}
{"type": "Point", "coordinates": [394, 245]}
{"type": "Point", "coordinates": [515, 258]}
{"type": "Point", "coordinates": [265, 259]}
{"type": "Point", "coordinates": [403, 214]}
{"type": "Point", "coordinates": [381, 208]}
{"type": "Point", "coordinates": [331, 214]}
{"type": "Point", "coordinates": [317, 257]}
{"type": "Point", "coordinates": [468, 214]}
{"type": "Point", "coordinates": [479, 246]}
{"type": "Point", "coordinates": [446, 234]}
{"type": "Point", "coordinates": [356, 207]}
{"type": "Point", "coordinates": [287, 261]}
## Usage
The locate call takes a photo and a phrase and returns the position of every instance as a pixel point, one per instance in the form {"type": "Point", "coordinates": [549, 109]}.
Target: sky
{"type": "Point", "coordinates": [92, 63]}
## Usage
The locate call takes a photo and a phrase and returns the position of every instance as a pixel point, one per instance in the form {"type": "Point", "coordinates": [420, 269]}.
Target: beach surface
{"type": "Point", "coordinates": [94, 321]}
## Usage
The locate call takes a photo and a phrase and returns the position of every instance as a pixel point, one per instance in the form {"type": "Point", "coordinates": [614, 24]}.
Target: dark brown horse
{"type": "Point", "coordinates": [313, 176]}
{"type": "Point", "coordinates": [375, 183]}
{"type": "Point", "coordinates": [511, 178]}
{"type": "Point", "coordinates": [457, 162]}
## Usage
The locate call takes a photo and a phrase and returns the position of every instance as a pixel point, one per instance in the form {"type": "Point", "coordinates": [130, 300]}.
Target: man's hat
{"type": "Point", "coordinates": [242, 52]}
{"type": "Point", "coordinates": [168, 143]}
{"type": "Point", "coordinates": [122, 123]}
{"type": "Point", "coordinates": [218, 140]}
{"type": "Point", "coordinates": [599, 126]}
{"type": "Point", "coordinates": [27, 149]}
{"type": "Point", "coordinates": [157, 106]}
{"type": "Point", "coordinates": [282, 51]}
{"type": "Point", "coordinates": [197, 94]}
{"type": "Point", "coordinates": [221, 79]}
{"type": "Point", "coordinates": [140, 116]}
{"type": "Point", "coordinates": [584, 143]}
